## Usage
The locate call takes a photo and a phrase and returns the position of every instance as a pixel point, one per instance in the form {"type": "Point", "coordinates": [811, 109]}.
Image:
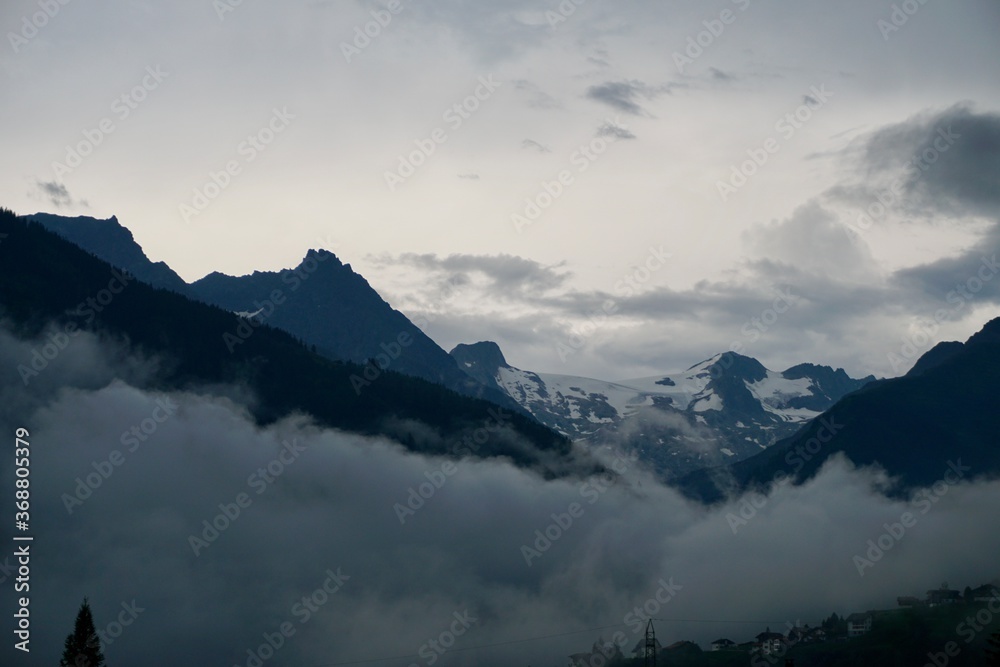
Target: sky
{"type": "Point", "coordinates": [180, 569]}
{"type": "Point", "coordinates": [611, 190]}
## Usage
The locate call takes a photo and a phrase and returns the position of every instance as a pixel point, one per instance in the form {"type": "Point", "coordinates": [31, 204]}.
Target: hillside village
{"type": "Point", "coordinates": [770, 646]}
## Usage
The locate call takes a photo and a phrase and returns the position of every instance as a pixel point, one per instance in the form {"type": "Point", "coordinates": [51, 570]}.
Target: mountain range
{"type": "Point", "coordinates": [940, 420]}
{"type": "Point", "coordinates": [321, 301]}
{"type": "Point", "coordinates": [722, 426]}
{"type": "Point", "coordinates": [721, 410]}
{"type": "Point", "coordinates": [51, 290]}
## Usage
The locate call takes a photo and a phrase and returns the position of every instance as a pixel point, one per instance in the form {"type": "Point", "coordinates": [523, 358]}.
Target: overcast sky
{"type": "Point", "coordinates": [662, 121]}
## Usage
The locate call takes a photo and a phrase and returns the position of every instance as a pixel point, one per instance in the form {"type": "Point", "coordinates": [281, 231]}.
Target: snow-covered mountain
{"type": "Point", "coordinates": [721, 410]}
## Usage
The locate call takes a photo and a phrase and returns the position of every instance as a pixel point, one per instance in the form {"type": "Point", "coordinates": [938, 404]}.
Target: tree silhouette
{"type": "Point", "coordinates": [83, 648]}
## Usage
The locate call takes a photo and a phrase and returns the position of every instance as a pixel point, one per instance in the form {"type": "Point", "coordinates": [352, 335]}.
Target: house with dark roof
{"type": "Point", "coordinates": [943, 595]}
{"type": "Point", "coordinates": [985, 593]}
{"type": "Point", "coordinates": [770, 642]}
{"type": "Point", "coordinates": [723, 645]}
{"type": "Point", "coordinates": [859, 624]}
{"type": "Point", "coordinates": [805, 634]}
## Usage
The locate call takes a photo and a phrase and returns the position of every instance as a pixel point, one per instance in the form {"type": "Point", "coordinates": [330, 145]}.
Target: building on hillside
{"type": "Point", "coordinates": [943, 595]}
{"type": "Point", "coordinates": [985, 593]}
{"type": "Point", "coordinates": [909, 601]}
{"type": "Point", "coordinates": [859, 624]}
{"type": "Point", "coordinates": [770, 642]}
{"type": "Point", "coordinates": [723, 645]}
{"type": "Point", "coordinates": [683, 645]}
{"type": "Point", "coordinates": [805, 635]}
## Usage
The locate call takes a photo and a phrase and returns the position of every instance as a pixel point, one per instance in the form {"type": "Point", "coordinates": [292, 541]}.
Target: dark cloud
{"type": "Point", "coordinates": [505, 274]}
{"type": "Point", "coordinates": [719, 75]}
{"type": "Point", "coordinates": [615, 131]}
{"type": "Point", "coordinates": [57, 194]}
{"type": "Point", "coordinates": [332, 510]}
{"type": "Point", "coordinates": [933, 166]}
{"type": "Point", "coordinates": [937, 163]}
{"type": "Point", "coordinates": [624, 95]}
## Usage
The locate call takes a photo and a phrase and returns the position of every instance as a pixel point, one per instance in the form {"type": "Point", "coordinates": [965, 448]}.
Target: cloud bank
{"type": "Point", "coordinates": [209, 534]}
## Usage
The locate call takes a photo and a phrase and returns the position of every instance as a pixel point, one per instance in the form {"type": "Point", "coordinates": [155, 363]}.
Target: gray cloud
{"type": "Point", "coordinates": [721, 76]}
{"type": "Point", "coordinates": [537, 98]}
{"type": "Point", "coordinates": [615, 131]}
{"type": "Point", "coordinates": [624, 95]}
{"type": "Point", "coordinates": [532, 144]}
{"type": "Point", "coordinates": [505, 274]}
{"type": "Point", "coordinates": [943, 164]}
{"type": "Point", "coordinates": [813, 239]}
{"type": "Point", "coordinates": [57, 194]}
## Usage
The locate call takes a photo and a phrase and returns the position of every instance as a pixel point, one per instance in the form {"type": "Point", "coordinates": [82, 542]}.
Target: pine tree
{"type": "Point", "coordinates": [83, 648]}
